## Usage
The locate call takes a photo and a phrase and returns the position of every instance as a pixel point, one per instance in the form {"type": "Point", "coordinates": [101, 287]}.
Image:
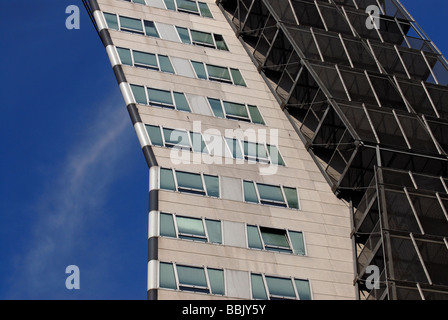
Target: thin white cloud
{"type": "Point", "coordinates": [71, 202]}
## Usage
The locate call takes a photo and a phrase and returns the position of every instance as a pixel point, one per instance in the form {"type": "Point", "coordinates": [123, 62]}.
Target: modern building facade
{"type": "Point", "coordinates": [291, 145]}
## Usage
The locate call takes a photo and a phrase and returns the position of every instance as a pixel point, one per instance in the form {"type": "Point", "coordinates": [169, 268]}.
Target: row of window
{"type": "Point", "coordinates": [214, 145]}
{"type": "Point", "coordinates": [165, 31]}
{"type": "Point", "coordinates": [208, 185]}
{"type": "Point", "coordinates": [206, 230]}
{"type": "Point", "coordinates": [187, 6]}
{"type": "Point", "coordinates": [188, 68]}
{"type": "Point", "coordinates": [178, 101]}
{"type": "Point", "coordinates": [212, 281]}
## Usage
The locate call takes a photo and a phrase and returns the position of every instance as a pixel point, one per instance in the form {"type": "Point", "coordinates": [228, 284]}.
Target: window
{"type": "Point", "coordinates": [131, 25]}
{"type": "Point", "coordinates": [160, 98]}
{"type": "Point", "coordinates": [278, 196]}
{"type": "Point", "coordinates": [235, 111]}
{"type": "Point", "coordinates": [172, 138]}
{"type": "Point", "coordinates": [189, 6]}
{"type": "Point", "coordinates": [278, 288]}
{"type": "Point", "coordinates": [218, 73]}
{"type": "Point", "coordinates": [278, 240]}
{"type": "Point", "coordinates": [136, 1]}
{"type": "Point", "coordinates": [187, 228]}
{"type": "Point", "coordinates": [188, 182]}
{"type": "Point", "coordinates": [193, 279]}
{"type": "Point", "coordinates": [145, 60]}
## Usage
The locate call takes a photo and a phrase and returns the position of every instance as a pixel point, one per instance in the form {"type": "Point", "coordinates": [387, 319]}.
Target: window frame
{"type": "Point", "coordinates": [192, 191]}
{"type": "Point", "coordinates": [191, 236]}
{"type": "Point", "coordinates": [235, 118]}
{"type": "Point", "coordinates": [268, 293]}
{"type": "Point", "coordinates": [219, 80]}
{"type": "Point", "coordinates": [144, 66]}
{"type": "Point", "coordinates": [200, 289]}
{"type": "Point", "coordinates": [272, 203]}
{"type": "Point", "coordinates": [283, 250]}
{"type": "Point", "coordinates": [199, 13]}
{"type": "Point", "coordinates": [162, 105]}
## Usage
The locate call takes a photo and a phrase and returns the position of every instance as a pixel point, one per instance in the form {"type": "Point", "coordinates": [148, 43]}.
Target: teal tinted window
{"type": "Point", "coordinates": [220, 43]}
{"type": "Point", "coordinates": [147, 60]}
{"type": "Point", "coordinates": [258, 289]}
{"type": "Point", "coordinates": [297, 242]}
{"type": "Point", "coordinates": [183, 35]}
{"type": "Point", "coordinates": [167, 228]}
{"type": "Point", "coordinates": [234, 147]}
{"type": "Point", "coordinates": [275, 156]}
{"type": "Point", "coordinates": [111, 20]}
{"type": "Point", "coordinates": [236, 110]}
{"type": "Point", "coordinates": [250, 195]}
{"type": "Point", "coordinates": [160, 97]}
{"type": "Point", "coordinates": [212, 185]}
{"type": "Point", "coordinates": [280, 287]}
{"type": "Point", "coordinates": [176, 138]}
{"type": "Point", "coordinates": [167, 179]}
{"type": "Point", "coordinates": [167, 278]}
{"type": "Point", "coordinates": [270, 194]}
{"type": "Point", "coordinates": [199, 69]}
{"type": "Point", "coordinates": [203, 38]}
{"type": "Point", "coordinates": [170, 5]}
{"type": "Point", "coordinates": [165, 64]}
{"type": "Point", "coordinates": [189, 181]}
{"type": "Point", "coordinates": [292, 197]}
{"type": "Point", "coordinates": [198, 143]}
{"type": "Point", "coordinates": [191, 278]}
{"type": "Point", "coordinates": [303, 288]}
{"type": "Point", "coordinates": [187, 5]}
{"type": "Point", "coordinates": [190, 228]}
{"type": "Point", "coordinates": [215, 104]}
{"type": "Point", "coordinates": [139, 1]}
{"type": "Point", "coordinates": [205, 11]}
{"type": "Point", "coordinates": [139, 94]}
{"type": "Point", "coordinates": [181, 102]}
{"type": "Point", "coordinates": [125, 56]}
{"type": "Point", "coordinates": [253, 238]}
{"type": "Point", "coordinates": [154, 135]}
{"type": "Point", "coordinates": [150, 29]}
{"type": "Point", "coordinates": [254, 151]}
{"type": "Point", "coordinates": [216, 279]}
{"type": "Point", "coordinates": [131, 24]}
{"type": "Point", "coordinates": [275, 240]}
{"type": "Point", "coordinates": [214, 231]}
{"type": "Point", "coordinates": [237, 77]}
{"type": "Point", "coordinates": [218, 73]}
{"type": "Point", "coordinates": [255, 115]}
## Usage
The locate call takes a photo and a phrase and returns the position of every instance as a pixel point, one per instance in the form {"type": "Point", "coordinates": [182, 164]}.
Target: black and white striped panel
{"type": "Point", "coordinates": [153, 231]}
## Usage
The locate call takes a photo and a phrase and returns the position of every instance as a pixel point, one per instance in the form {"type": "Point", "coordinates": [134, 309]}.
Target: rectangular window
{"type": "Point", "coordinates": [279, 288]}
{"type": "Point", "coordinates": [190, 182]}
{"type": "Point", "coordinates": [271, 195]}
{"type": "Point", "coordinates": [184, 35]}
{"type": "Point", "coordinates": [139, 94]}
{"type": "Point", "coordinates": [111, 20]}
{"type": "Point", "coordinates": [125, 56]}
{"type": "Point", "coordinates": [150, 29]}
{"type": "Point", "coordinates": [278, 240]}
{"type": "Point", "coordinates": [155, 135]}
{"type": "Point", "coordinates": [131, 25]}
{"type": "Point", "coordinates": [274, 155]}
{"type": "Point", "coordinates": [255, 115]}
{"type": "Point", "coordinates": [193, 279]}
{"type": "Point", "coordinates": [202, 38]}
{"type": "Point", "coordinates": [255, 152]}
{"type": "Point", "coordinates": [145, 60]}
{"type": "Point", "coordinates": [236, 111]}
{"type": "Point", "coordinates": [234, 147]}
{"type": "Point", "coordinates": [189, 6]}
{"type": "Point", "coordinates": [197, 229]}
{"type": "Point", "coordinates": [165, 64]}
{"type": "Point", "coordinates": [176, 139]}
{"type": "Point", "coordinates": [217, 73]}
{"type": "Point", "coordinates": [160, 98]}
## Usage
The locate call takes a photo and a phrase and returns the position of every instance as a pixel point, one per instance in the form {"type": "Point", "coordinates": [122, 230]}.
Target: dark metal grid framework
{"type": "Point", "coordinates": [371, 107]}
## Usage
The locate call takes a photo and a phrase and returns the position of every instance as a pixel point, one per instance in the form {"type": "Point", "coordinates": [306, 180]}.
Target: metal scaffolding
{"type": "Point", "coordinates": [370, 105]}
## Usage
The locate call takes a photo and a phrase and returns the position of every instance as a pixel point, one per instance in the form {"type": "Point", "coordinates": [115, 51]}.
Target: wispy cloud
{"type": "Point", "coordinates": [71, 202]}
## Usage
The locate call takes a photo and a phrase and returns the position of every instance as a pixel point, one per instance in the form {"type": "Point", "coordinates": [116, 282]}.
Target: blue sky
{"type": "Point", "coordinates": [73, 184]}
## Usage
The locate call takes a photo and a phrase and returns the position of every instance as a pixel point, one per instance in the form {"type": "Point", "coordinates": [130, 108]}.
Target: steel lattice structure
{"type": "Point", "coordinates": [370, 104]}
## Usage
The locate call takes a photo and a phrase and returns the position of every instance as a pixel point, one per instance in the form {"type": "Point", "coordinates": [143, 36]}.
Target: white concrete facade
{"type": "Point", "coordinates": [323, 219]}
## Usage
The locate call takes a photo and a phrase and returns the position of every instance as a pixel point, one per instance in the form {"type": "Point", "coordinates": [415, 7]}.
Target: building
{"type": "Point", "coordinates": [295, 148]}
